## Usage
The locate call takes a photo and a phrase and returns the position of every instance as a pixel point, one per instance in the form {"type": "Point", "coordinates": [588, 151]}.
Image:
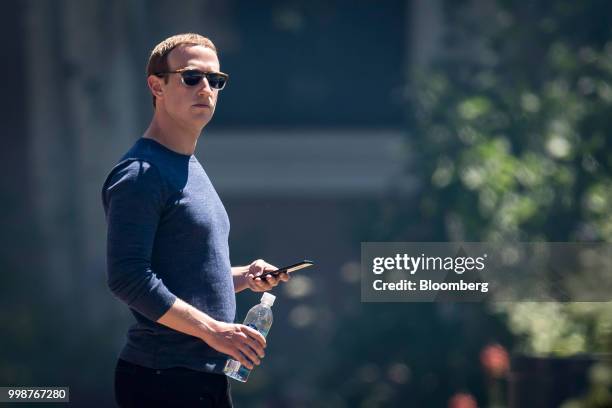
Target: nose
{"type": "Point", "coordinates": [205, 87]}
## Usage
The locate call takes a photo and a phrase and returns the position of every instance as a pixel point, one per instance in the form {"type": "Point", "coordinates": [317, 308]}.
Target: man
{"type": "Point", "coordinates": [168, 255]}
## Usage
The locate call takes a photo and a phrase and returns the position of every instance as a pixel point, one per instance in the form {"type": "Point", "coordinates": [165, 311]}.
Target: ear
{"type": "Point", "coordinates": [156, 86]}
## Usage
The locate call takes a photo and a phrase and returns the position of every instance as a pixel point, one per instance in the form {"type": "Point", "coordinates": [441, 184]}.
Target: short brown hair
{"type": "Point", "coordinates": [158, 60]}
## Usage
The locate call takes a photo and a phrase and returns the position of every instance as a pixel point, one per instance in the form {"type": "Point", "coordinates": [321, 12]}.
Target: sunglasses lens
{"type": "Point", "coordinates": [192, 78]}
{"type": "Point", "coordinates": [216, 81]}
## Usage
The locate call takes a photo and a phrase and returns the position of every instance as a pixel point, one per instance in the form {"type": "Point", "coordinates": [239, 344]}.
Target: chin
{"type": "Point", "coordinates": [204, 115]}
{"type": "Point", "coordinates": [203, 122]}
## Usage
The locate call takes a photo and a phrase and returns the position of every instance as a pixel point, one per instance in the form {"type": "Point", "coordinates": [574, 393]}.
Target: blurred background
{"type": "Point", "coordinates": [343, 121]}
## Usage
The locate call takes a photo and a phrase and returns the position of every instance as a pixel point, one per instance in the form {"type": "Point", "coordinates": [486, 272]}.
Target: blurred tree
{"type": "Point", "coordinates": [512, 124]}
{"type": "Point", "coordinates": [511, 130]}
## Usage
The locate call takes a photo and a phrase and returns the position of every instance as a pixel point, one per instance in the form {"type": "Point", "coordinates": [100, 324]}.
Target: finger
{"type": "Point", "coordinates": [253, 285]}
{"type": "Point", "coordinates": [259, 282]}
{"type": "Point", "coordinates": [249, 353]}
{"type": "Point", "coordinates": [266, 283]}
{"type": "Point", "coordinates": [254, 334]}
{"type": "Point", "coordinates": [238, 356]}
{"type": "Point", "coordinates": [284, 276]}
{"type": "Point", "coordinates": [255, 347]}
{"type": "Point", "coordinates": [272, 280]}
{"type": "Point", "coordinates": [261, 288]}
{"type": "Point", "coordinates": [244, 360]}
{"type": "Point", "coordinates": [267, 278]}
{"type": "Point", "coordinates": [264, 280]}
{"type": "Point", "coordinates": [261, 265]}
{"type": "Point", "coordinates": [256, 268]}
{"type": "Point", "coordinates": [258, 285]}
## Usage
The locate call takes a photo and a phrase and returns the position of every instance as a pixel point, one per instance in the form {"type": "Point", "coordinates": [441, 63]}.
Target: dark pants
{"type": "Point", "coordinates": [137, 386]}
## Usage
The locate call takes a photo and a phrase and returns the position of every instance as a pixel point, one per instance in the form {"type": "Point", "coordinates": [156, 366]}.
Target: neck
{"type": "Point", "coordinates": [173, 136]}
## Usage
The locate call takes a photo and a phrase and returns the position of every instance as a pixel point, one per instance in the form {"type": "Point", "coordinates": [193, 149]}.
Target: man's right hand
{"type": "Point", "coordinates": [241, 342]}
{"type": "Point", "coordinates": [238, 341]}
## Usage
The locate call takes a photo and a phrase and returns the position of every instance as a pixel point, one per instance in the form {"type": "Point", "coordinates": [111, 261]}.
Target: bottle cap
{"type": "Point", "coordinates": [268, 299]}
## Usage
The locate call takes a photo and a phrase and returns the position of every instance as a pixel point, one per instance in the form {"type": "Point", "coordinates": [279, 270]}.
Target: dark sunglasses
{"type": "Point", "coordinates": [192, 77]}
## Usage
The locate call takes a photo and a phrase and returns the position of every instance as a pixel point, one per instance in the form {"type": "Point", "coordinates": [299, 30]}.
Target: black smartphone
{"type": "Point", "coordinates": [291, 268]}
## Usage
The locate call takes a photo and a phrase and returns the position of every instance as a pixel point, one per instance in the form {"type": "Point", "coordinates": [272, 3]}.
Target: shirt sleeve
{"type": "Point", "coordinates": [133, 198]}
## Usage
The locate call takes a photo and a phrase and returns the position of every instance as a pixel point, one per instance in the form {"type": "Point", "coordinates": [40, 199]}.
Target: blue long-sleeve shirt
{"type": "Point", "coordinates": [167, 237]}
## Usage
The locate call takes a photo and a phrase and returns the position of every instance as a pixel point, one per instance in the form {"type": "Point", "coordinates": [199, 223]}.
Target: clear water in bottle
{"type": "Point", "coordinates": [260, 319]}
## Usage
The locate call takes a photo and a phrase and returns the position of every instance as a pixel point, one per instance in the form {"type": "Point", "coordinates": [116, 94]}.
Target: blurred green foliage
{"type": "Point", "coordinates": [512, 125]}
{"type": "Point", "coordinates": [512, 128]}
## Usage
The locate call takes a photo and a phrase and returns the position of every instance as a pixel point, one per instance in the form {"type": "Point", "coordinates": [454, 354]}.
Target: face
{"type": "Point", "coordinates": [189, 106]}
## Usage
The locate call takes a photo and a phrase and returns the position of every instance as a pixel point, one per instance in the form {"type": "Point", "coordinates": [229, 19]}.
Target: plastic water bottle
{"type": "Point", "coordinates": [260, 319]}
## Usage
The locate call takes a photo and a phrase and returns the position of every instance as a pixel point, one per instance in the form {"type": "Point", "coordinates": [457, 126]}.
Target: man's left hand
{"type": "Point", "coordinates": [257, 283]}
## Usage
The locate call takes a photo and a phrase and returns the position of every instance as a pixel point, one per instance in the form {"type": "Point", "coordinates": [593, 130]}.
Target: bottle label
{"type": "Point", "coordinates": [232, 366]}
{"type": "Point", "coordinates": [263, 332]}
